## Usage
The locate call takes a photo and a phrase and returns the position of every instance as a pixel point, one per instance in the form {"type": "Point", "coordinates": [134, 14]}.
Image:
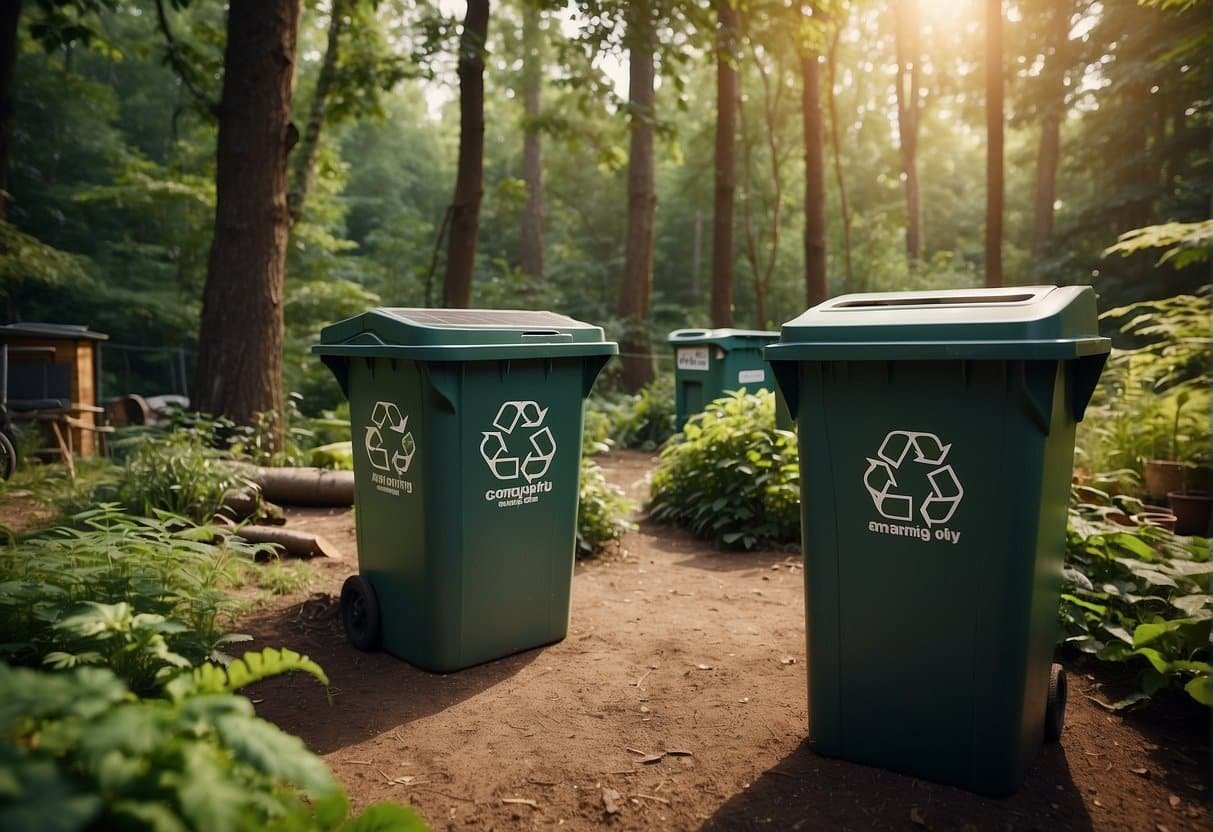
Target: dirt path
{"type": "Point", "coordinates": [698, 656]}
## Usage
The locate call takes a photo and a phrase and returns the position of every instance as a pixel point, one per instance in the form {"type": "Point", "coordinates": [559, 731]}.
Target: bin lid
{"type": "Point", "coordinates": [462, 335]}
{"type": "Point", "coordinates": [1020, 322]}
{"type": "Point", "coordinates": [67, 332]}
{"type": "Point", "coordinates": [722, 337]}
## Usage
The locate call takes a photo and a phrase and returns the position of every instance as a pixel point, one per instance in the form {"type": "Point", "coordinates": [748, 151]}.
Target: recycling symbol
{"type": "Point", "coordinates": [928, 451]}
{"type": "Point", "coordinates": [518, 419]}
{"type": "Point", "coordinates": [384, 456]}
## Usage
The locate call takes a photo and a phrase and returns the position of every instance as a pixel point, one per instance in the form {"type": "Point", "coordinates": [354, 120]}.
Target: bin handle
{"type": "Point", "coordinates": [547, 336]}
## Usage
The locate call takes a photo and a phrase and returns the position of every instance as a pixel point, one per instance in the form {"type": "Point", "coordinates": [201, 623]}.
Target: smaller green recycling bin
{"type": "Point", "coordinates": [467, 431]}
{"type": "Point", "coordinates": [708, 362]}
{"type": "Point", "coordinates": [935, 463]}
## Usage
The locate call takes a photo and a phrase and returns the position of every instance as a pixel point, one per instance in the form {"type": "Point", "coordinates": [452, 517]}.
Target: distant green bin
{"type": "Point", "coordinates": [709, 362]}
{"type": "Point", "coordinates": [936, 455]}
{"type": "Point", "coordinates": [467, 448]}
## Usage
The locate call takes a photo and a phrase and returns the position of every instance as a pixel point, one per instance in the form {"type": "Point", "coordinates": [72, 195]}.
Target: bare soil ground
{"type": "Point", "coordinates": [678, 702]}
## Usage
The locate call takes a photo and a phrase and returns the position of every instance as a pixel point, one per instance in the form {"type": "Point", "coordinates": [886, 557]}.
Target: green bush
{"type": "Point", "coordinates": [1138, 595]}
{"type": "Point", "coordinates": [1152, 401]}
{"type": "Point", "coordinates": [731, 476]}
{"type": "Point", "coordinates": [79, 751]}
{"type": "Point", "coordinates": [644, 420]}
{"type": "Point", "coordinates": [176, 473]}
{"type": "Point", "coordinates": [143, 596]}
{"type": "Point", "coordinates": [602, 512]}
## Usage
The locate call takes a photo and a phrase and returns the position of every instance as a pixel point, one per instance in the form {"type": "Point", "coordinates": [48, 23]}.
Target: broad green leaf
{"type": "Point", "coordinates": [1201, 690]}
{"type": "Point", "coordinates": [386, 817]}
{"type": "Point", "coordinates": [276, 754]}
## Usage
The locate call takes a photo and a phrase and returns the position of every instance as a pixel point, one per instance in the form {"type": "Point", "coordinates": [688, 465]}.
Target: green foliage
{"type": "Point", "coordinates": [78, 751]}
{"type": "Point", "coordinates": [278, 578]}
{"type": "Point", "coordinates": [602, 511]}
{"type": "Point", "coordinates": [1186, 243]}
{"type": "Point", "coordinates": [178, 473]}
{"type": "Point", "coordinates": [140, 595]}
{"type": "Point", "coordinates": [1153, 398]}
{"type": "Point", "coordinates": [731, 476]}
{"type": "Point", "coordinates": [1139, 595]}
{"type": "Point", "coordinates": [644, 420]}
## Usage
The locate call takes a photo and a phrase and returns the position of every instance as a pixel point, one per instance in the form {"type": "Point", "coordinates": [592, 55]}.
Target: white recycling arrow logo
{"type": "Point", "coordinates": [928, 450]}
{"type": "Point", "coordinates": [495, 448]}
{"type": "Point", "coordinates": [387, 416]}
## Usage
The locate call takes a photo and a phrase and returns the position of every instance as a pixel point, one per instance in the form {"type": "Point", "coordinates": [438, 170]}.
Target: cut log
{"type": "Point", "coordinates": [296, 544]}
{"type": "Point", "coordinates": [305, 486]}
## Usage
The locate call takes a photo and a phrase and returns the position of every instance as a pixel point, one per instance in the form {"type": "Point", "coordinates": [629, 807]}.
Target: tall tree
{"type": "Point", "coordinates": [469, 176]}
{"type": "Point", "coordinates": [636, 286]}
{"type": "Point", "coordinates": [304, 162]}
{"type": "Point", "coordinates": [844, 209]}
{"type": "Point", "coordinates": [814, 173]}
{"type": "Point", "coordinates": [10, 18]}
{"type": "Point", "coordinates": [909, 108]}
{"type": "Point", "coordinates": [1052, 98]}
{"type": "Point", "coordinates": [531, 244]}
{"type": "Point", "coordinates": [240, 337]}
{"type": "Point", "coordinates": [995, 185]}
{"type": "Point", "coordinates": [726, 161]}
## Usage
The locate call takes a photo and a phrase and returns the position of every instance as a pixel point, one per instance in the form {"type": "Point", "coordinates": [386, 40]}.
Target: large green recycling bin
{"type": "Point", "coordinates": [935, 463]}
{"type": "Point", "coordinates": [467, 447]}
{"type": "Point", "coordinates": [708, 362]}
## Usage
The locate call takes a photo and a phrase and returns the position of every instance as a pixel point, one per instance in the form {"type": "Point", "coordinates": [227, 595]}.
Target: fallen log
{"type": "Point", "coordinates": [305, 486]}
{"type": "Point", "coordinates": [296, 544]}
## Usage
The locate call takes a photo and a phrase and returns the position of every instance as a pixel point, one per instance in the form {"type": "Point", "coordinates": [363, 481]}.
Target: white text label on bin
{"type": "Point", "coordinates": [693, 358]}
{"type": "Point", "coordinates": [751, 376]}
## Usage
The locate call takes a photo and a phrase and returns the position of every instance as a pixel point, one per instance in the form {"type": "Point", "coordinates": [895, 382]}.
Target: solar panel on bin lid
{"type": "Point", "coordinates": [482, 317]}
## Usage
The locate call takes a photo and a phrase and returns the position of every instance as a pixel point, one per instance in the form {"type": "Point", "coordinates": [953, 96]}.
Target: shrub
{"type": "Point", "coordinates": [78, 751]}
{"type": "Point", "coordinates": [644, 420]}
{"type": "Point", "coordinates": [731, 476]}
{"type": "Point", "coordinates": [602, 512]}
{"type": "Point", "coordinates": [1139, 595]}
{"type": "Point", "coordinates": [176, 473]}
{"type": "Point", "coordinates": [141, 595]}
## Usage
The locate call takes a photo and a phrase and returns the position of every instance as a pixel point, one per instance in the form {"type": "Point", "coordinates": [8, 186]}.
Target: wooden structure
{"type": "Point", "coordinates": [49, 374]}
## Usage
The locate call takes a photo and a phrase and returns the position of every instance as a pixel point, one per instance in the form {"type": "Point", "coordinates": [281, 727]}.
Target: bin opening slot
{"type": "Point", "coordinates": [689, 333]}
{"type": "Point", "coordinates": [940, 300]}
{"type": "Point", "coordinates": [546, 335]}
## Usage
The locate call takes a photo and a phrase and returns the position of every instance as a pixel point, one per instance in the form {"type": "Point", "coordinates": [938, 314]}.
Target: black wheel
{"type": "Point", "coordinates": [360, 613]}
{"type": "Point", "coordinates": [1055, 707]}
{"type": "Point", "coordinates": [8, 457]}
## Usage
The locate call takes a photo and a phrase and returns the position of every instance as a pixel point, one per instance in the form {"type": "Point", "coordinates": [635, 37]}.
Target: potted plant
{"type": "Point", "coordinates": [1166, 475]}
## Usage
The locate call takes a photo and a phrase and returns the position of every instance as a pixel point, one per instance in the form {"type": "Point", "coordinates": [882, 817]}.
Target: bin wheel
{"type": "Point", "coordinates": [8, 457]}
{"type": "Point", "coordinates": [1055, 707]}
{"type": "Point", "coordinates": [360, 613]}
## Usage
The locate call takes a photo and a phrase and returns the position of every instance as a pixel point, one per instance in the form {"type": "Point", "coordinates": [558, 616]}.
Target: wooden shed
{"type": "Point", "coordinates": [50, 374]}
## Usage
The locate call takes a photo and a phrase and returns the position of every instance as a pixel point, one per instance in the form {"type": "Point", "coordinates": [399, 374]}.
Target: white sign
{"type": "Point", "coordinates": [521, 448]}
{"type": "Point", "coordinates": [391, 452]}
{"type": "Point", "coordinates": [692, 358]}
{"type": "Point", "coordinates": [751, 376]}
{"type": "Point", "coordinates": [928, 459]}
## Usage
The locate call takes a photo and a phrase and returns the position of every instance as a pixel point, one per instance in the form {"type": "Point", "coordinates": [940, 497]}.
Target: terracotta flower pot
{"type": "Point", "coordinates": [1193, 511]}
{"type": "Point", "coordinates": [1163, 476]}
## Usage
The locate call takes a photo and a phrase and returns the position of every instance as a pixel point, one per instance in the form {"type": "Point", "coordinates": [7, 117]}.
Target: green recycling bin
{"type": "Point", "coordinates": [708, 362]}
{"type": "Point", "coordinates": [466, 428]}
{"type": "Point", "coordinates": [935, 463]}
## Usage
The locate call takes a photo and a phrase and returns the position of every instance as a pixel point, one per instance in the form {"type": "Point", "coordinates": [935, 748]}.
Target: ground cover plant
{"type": "Point", "coordinates": [1138, 595]}
{"type": "Point", "coordinates": [731, 476]}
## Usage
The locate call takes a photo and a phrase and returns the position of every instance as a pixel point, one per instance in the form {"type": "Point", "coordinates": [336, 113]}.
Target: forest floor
{"type": "Point", "coordinates": [678, 702]}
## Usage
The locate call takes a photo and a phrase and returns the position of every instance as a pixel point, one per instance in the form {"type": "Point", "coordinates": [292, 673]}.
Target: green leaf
{"type": "Point", "coordinates": [1201, 690]}
{"type": "Point", "coordinates": [386, 817]}
{"type": "Point", "coordinates": [276, 754]}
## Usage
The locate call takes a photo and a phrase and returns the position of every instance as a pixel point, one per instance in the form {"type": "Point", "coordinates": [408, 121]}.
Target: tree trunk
{"type": "Point", "coordinates": [531, 245]}
{"type": "Point", "coordinates": [726, 161]}
{"type": "Point", "coordinates": [994, 143]}
{"type": "Point", "coordinates": [634, 289]}
{"type": "Point", "coordinates": [469, 178]}
{"type": "Point", "coordinates": [836, 146]}
{"type": "Point", "coordinates": [304, 163]}
{"type": "Point", "coordinates": [814, 181]}
{"type": "Point", "coordinates": [240, 337]}
{"type": "Point", "coordinates": [10, 17]}
{"type": "Point", "coordinates": [909, 107]}
{"type": "Point", "coordinates": [1053, 104]}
